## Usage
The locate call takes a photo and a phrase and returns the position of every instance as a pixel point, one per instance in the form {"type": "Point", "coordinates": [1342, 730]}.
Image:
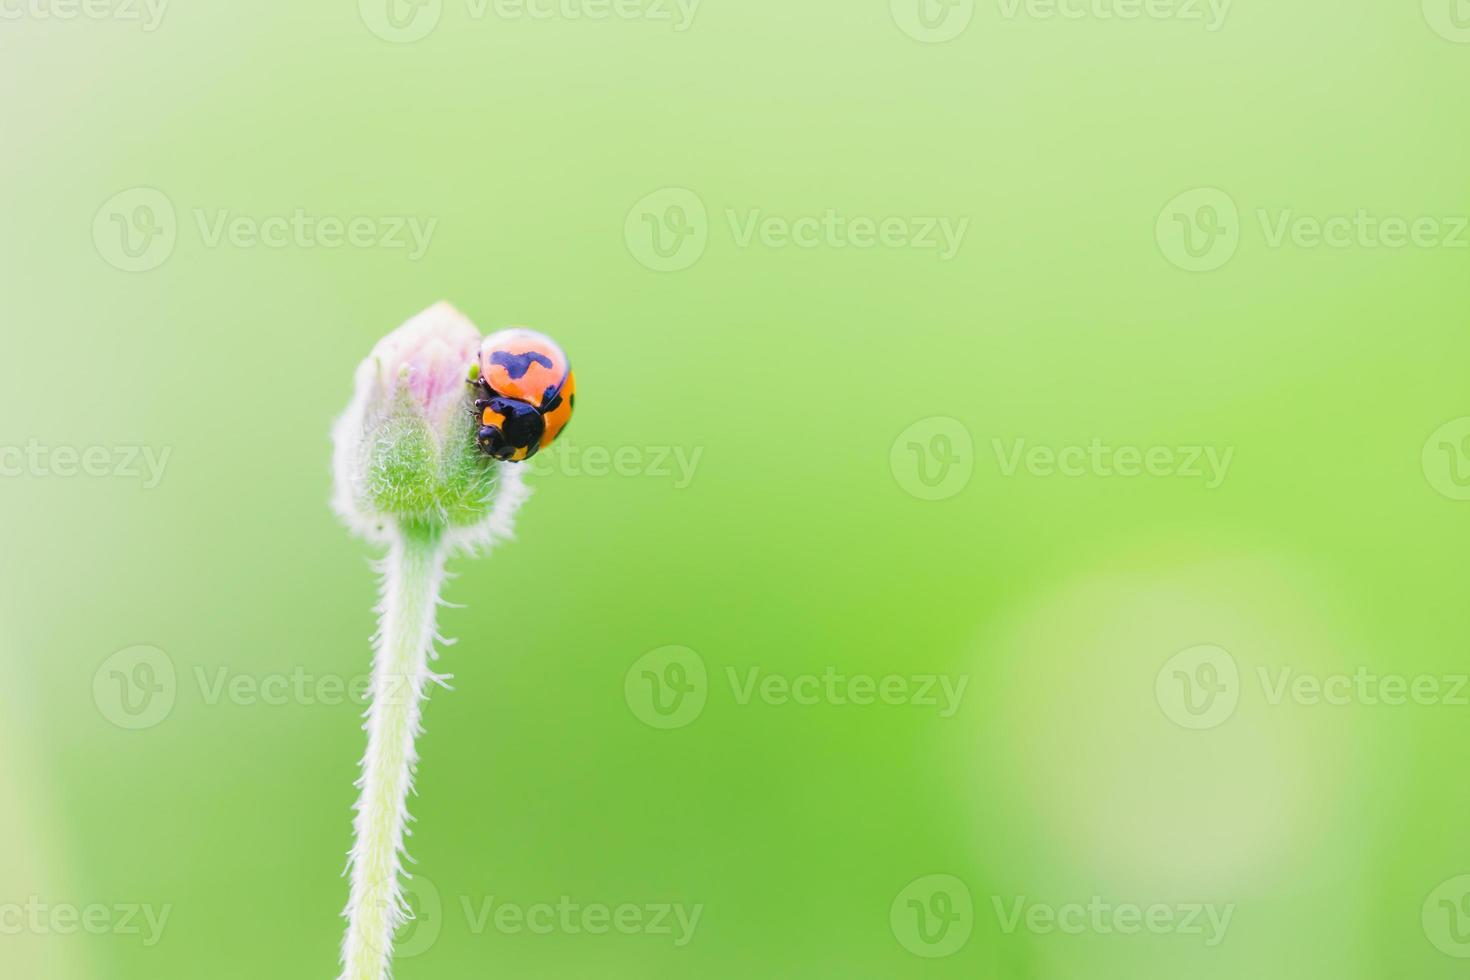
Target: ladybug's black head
{"type": "Point", "coordinates": [510, 429]}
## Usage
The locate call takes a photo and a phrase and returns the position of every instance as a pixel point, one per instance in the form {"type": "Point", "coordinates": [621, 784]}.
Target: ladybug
{"type": "Point", "coordinates": [527, 393]}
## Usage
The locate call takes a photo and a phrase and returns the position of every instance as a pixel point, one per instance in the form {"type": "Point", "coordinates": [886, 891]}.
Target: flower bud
{"type": "Point", "coordinates": [405, 450]}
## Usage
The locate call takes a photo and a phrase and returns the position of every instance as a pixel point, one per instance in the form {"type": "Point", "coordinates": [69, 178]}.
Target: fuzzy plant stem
{"type": "Point", "coordinates": [413, 573]}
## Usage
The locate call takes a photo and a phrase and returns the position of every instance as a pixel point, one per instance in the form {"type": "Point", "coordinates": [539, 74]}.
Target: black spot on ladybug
{"type": "Point", "coordinates": [516, 365]}
{"type": "Point", "coordinates": [524, 426]}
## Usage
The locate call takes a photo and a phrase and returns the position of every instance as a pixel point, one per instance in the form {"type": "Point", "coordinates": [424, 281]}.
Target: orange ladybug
{"type": "Point", "coordinates": [527, 393]}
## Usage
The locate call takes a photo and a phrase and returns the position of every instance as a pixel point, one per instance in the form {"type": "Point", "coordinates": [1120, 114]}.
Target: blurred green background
{"type": "Point", "coordinates": [847, 410]}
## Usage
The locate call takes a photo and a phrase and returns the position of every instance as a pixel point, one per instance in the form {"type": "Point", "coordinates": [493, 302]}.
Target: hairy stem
{"type": "Point", "coordinates": [412, 575]}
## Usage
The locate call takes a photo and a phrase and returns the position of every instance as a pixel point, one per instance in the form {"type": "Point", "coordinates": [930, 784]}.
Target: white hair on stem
{"type": "Point", "coordinates": [412, 575]}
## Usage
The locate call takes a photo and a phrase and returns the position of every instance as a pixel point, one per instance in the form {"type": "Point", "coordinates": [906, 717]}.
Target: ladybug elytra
{"type": "Point", "coordinates": [526, 393]}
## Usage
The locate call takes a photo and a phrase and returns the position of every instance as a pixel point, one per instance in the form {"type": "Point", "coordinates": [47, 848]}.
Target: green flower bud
{"type": "Point", "coordinates": [405, 453]}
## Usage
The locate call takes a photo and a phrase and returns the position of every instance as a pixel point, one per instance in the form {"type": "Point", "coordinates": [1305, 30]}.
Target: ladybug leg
{"type": "Point", "coordinates": [486, 393]}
